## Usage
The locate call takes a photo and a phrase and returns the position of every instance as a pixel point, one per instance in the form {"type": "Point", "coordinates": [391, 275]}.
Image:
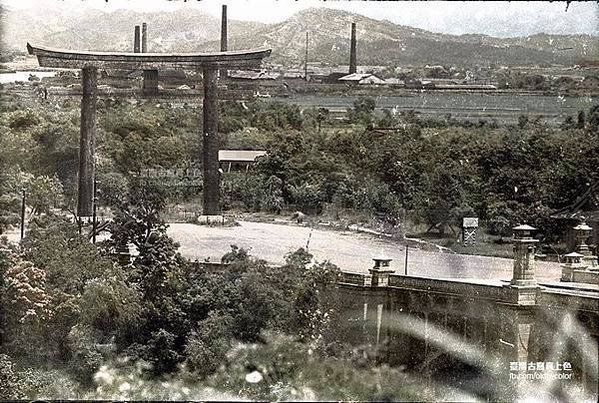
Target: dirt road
{"type": "Point", "coordinates": [349, 250]}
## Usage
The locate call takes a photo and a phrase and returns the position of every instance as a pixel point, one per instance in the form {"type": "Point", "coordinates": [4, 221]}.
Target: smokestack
{"type": "Point", "coordinates": [144, 37]}
{"type": "Point", "coordinates": [223, 37]}
{"type": "Point", "coordinates": [136, 40]}
{"type": "Point", "coordinates": [150, 83]}
{"type": "Point", "coordinates": [223, 30]}
{"type": "Point", "coordinates": [352, 50]}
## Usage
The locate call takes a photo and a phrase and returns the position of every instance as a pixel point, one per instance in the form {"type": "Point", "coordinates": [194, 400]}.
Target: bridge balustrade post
{"type": "Point", "coordinates": [524, 256]}
{"type": "Point", "coordinates": [87, 140]}
{"type": "Point", "coordinates": [572, 261]}
{"type": "Point", "coordinates": [523, 286]}
{"type": "Point", "coordinates": [380, 272]}
{"type": "Point", "coordinates": [583, 232]}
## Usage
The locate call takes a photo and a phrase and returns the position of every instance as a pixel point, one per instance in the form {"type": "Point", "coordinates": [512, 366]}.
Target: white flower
{"type": "Point", "coordinates": [253, 377]}
{"type": "Point", "coordinates": [124, 387]}
{"type": "Point", "coordinates": [103, 376]}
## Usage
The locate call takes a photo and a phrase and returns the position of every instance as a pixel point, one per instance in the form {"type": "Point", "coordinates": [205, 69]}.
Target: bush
{"type": "Point", "coordinates": [316, 305]}
{"type": "Point", "coordinates": [110, 305]}
{"type": "Point", "coordinates": [241, 190]}
{"type": "Point", "coordinates": [10, 387]}
{"type": "Point", "coordinates": [362, 111]}
{"type": "Point", "coordinates": [86, 353]}
{"type": "Point", "coordinates": [308, 196]}
{"type": "Point", "coordinates": [23, 119]}
{"type": "Point", "coordinates": [206, 347]}
{"type": "Point", "coordinates": [27, 307]}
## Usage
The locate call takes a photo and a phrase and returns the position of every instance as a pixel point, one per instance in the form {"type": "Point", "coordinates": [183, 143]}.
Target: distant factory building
{"type": "Point", "coordinates": [237, 159]}
{"type": "Point", "coordinates": [293, 74]}
{"type": "Point", "coordinates": [416, 83]}
{"type": "Point", "coordinates": [395, 82]}
{"type": "Point", "coordinates": [362, 79]}
{"type": "Point", "coordinates": [465, 87]}
{"type": "Point", "coordinates": [252, 75]}
{"type": "Point", "coordinates": [331, 78]}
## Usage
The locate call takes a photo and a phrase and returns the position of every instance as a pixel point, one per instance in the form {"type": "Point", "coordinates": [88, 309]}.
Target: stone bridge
{"type": "Point", "coordinates": [448, 330]}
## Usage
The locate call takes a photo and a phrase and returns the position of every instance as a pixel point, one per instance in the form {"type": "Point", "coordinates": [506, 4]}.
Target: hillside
{"type": "Point", "coordinates": [182, 30]}
{"type": "Point", "coordinates": [379, 42]}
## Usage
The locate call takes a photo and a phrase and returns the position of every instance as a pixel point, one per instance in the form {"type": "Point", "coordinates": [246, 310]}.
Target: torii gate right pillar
{"type": "Point", "coordinates": [210, 142]}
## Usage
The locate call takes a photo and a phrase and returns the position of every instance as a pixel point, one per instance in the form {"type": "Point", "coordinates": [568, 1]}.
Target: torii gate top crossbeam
{"type": "Point", "coordinates": [69, 59]}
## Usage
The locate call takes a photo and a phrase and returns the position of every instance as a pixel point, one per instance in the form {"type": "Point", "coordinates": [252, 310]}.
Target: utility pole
{"type": "Point", "coordinates": [23, 215]}
{"type": "Point", "coordinates": [306, 61]}
{"type": "Point", "coordinates": [405, 270]}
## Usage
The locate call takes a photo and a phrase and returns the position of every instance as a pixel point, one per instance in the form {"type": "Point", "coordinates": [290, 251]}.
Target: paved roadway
{"type": "Point", "coordinates": [349, 250]}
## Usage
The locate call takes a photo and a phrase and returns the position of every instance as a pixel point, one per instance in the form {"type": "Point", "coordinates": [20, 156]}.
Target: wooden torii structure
{"type": "Point", "coordinates": [90, 62]}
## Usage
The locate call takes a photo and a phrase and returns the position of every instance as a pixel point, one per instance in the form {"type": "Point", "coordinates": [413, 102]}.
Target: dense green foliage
{"type": "Point", "coordinates": [77, 309]}
{"type": "Point", "coordinates": [67, 304]}
{"type": "Point", "coordinates": [434, 171]}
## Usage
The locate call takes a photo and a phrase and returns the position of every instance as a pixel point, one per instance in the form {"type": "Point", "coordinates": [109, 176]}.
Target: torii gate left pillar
{"type": "Point", "coordinates": [87, 141]}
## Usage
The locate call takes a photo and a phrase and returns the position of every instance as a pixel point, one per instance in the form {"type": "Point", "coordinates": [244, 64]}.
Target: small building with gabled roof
{"type": "Point", "coordinates": [231, 159]}
{"type": "Point", "coordinates": [362, 79]}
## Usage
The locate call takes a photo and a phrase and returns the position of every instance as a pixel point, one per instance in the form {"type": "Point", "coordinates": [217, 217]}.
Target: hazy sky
{"type": "Point", "coordinates": [492, 18]}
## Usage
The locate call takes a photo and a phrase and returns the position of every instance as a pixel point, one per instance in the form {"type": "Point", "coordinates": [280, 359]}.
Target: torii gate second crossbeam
{"type": "Point", "coordinates": [90, 62]}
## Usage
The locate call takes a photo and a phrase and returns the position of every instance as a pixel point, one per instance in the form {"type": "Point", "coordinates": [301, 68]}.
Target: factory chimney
{"type": "Point", "coordinates": [144, 37]}
{"type": "Point", "coordinates": [223, 36]}
{"type": "Point", "coordinates": [136, 40]}
{"type": "Point", "coordinates": [352, 50]}
{"type": "Point", "coordinates": [150, 82]}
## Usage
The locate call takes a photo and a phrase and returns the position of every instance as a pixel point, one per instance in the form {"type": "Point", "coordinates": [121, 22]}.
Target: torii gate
{"type": "Point", "coordinates": [89, 62]}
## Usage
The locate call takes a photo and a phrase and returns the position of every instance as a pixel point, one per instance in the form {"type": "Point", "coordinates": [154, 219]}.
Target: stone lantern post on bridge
{"type": "Point", "coordinates": [524, 256]}
{"type": "Point", "coordinates": [572, 262]}
{"type": "Point", "coordinates": [524, 284]}
{"type": "Point", "coordinates": [582, 233]}
{"type": "Point", "coordinates": [581, 265]}
{"type": "Point", "coordinates": [381, 271]}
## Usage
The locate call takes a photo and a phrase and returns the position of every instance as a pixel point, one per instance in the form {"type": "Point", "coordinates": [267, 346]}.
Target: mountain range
{"type": "Point", "coordinates": [379, 42]}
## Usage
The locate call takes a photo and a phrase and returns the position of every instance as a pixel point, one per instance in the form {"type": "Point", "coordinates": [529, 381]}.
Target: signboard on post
{"type": "Point", "coordinates": [469, 230]}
